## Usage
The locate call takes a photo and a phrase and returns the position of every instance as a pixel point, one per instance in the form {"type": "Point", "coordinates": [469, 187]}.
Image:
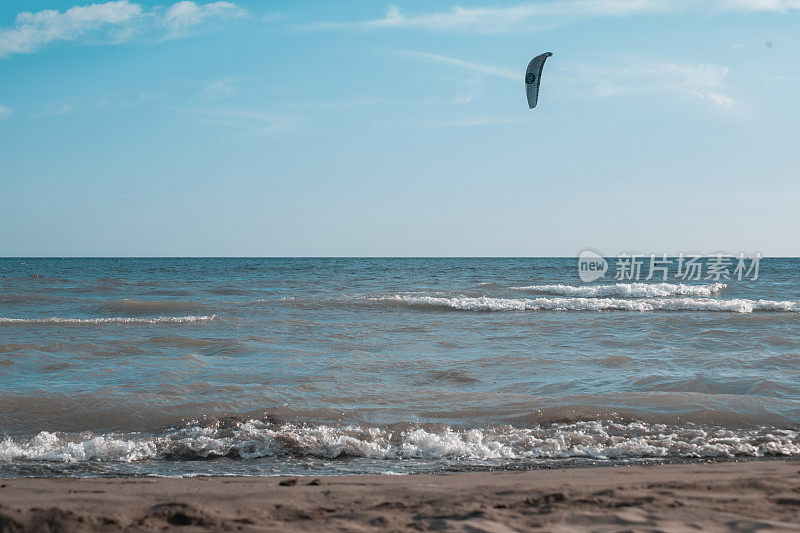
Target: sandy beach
{"type": "Point", "coordinates": [746, 496]}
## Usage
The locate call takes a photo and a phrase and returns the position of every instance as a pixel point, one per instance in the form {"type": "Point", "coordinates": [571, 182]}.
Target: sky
{"type": "Point", "coordinates": [370, 128]}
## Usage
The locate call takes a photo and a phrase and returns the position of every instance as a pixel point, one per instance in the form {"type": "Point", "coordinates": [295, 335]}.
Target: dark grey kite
{"type": "Point", "coordinates": [532, 77]}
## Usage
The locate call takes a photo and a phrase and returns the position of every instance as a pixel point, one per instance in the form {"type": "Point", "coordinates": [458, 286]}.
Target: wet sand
{"type": "Point", "coordinates": [746, 496]}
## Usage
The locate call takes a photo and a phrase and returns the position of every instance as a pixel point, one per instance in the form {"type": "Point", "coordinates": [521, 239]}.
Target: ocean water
{"type": "Point", "coordinates": [329, 366]}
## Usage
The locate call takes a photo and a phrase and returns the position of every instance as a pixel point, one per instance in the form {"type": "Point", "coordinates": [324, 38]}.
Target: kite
{"type": "Point", "coordinates": [532, 78]}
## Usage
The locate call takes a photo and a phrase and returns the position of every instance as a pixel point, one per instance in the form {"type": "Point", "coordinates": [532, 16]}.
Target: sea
{"type": "Point", "coordinates": [317, 366]}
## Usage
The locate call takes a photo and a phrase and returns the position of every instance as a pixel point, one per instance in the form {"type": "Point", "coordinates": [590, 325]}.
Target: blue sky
{"type": "Point", "coordinates": [368, 128]}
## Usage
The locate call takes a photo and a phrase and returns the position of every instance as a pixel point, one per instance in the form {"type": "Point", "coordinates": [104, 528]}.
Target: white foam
{"type": "Point", "coordinates": [257, 439]}
{"type": "Point", "coordinates": [487, 303]}
{"type": "Point", "coordinates": [629, 290]}
{"type": "Point", "coordinates": [51, 447]}
{"type": "Point", "coordinates": [110, 320]}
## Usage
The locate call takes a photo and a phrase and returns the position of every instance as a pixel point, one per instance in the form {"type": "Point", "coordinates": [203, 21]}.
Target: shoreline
{"type": "Point", "coordinates": [727, 496]}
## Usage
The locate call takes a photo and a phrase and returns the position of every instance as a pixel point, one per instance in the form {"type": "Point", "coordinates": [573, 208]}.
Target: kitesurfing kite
{"type": "Point", "coordinates": [532, 77]}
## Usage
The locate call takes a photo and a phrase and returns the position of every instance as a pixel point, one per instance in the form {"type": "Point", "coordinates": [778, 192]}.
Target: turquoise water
{"type": "Point", "coordinates": [268, 366]}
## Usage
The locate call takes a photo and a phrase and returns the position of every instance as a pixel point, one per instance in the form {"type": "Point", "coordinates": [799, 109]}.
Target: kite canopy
{"type": "Point", "coordinates": [532, 77]}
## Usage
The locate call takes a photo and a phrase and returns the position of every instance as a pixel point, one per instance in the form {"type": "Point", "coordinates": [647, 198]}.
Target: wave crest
{"type": "Point", "coordinates": [487, 303]}
{"type": "Point", "coordinates": [629, 290]}
{"type": "Point", "coordinates": [111, 320]}
{"type": "Point", "coordinates": [253, 439]}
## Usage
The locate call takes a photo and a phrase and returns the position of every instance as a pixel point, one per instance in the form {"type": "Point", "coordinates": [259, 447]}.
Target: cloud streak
{"type": "Point", "coordinates": [478, 68]}
{"type": "Point", "coordinates": [632, 75]}
{"type": "Point", "coordinates": [114, 22]}
{"type": "Point", "coordinates": [531, 14]}
{"type": "Point", "coordinates": [218, 90]}
{"type": "Point", "coordinates": [620, 76]}
{"type": "Point", "coordinates": [725, 102]}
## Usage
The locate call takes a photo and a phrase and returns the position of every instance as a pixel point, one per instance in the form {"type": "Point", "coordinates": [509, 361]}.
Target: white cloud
{"type": "Point", "coordinates": [32, 31]}
{"type": "Point", "coordinates": [721, 100]}
{"type": "Point", "coordinates": [4, 112]}
{"type": "Point", "coordinates": [496, 19]}
{"type": "Point", "coordinates": [777, 6]}
{"type": "Point", "coordinates": [467, 65]}
{"type": "Point", "coordinates": [186, 15]}
{"type": "Point", "coordinates": [218, 90]}
{"type": "Point", "coordinates": [632, 75]}
{"type": "Point", "coordinates": [115, 21]}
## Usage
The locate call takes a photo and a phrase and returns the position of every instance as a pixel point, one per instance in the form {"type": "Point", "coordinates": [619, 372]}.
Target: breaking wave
{"type": "Point", "coordinates": [629, 290]}
{"type": "Point", "coordinates": [254, 439]}
{"type": "Point", "coordinates": [487, 303]}
{"type": "Point", "coordinates": [110, 320]}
